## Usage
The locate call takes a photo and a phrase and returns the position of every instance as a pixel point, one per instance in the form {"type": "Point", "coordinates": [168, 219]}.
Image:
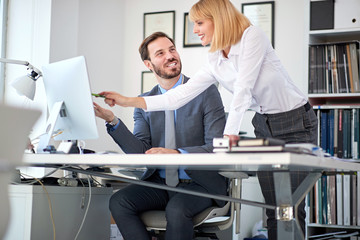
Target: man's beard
{"type": "Point", "coordinates": [163, 74]}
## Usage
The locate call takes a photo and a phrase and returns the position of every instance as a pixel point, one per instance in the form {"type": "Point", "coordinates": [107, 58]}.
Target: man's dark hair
{"type": "Point", "coordinates": [143, 49]}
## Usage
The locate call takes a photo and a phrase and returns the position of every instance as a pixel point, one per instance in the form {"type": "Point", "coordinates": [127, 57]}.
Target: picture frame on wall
{"type": "Point", "coordinates": [148, 81]}
{"type": "Point", "coordinates": [190, 39]}
{"type": "Point", "coordinates": [261, 14]}
{"type": "Point", "coordinates": [159, 22]}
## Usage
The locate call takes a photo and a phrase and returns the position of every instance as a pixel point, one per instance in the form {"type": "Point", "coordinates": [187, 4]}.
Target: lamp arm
{"type": "Point", "coordinates": [5, 60]}
{"type": "Point", "coordinates": [35, 73]}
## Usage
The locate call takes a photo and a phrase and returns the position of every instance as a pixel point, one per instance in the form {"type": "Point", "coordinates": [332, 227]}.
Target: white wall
{"type": "Point", "coordinates": [109, 32]}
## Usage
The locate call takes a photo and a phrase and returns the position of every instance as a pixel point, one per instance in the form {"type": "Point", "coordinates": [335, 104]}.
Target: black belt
{"type": "Point", "coordinates": [307, 106]}
{"type": "Point", "coordinates": [185, 180]}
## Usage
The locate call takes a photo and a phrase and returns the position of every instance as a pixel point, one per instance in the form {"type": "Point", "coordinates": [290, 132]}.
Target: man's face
{"type": "Point", "coordinates": [164, 59]}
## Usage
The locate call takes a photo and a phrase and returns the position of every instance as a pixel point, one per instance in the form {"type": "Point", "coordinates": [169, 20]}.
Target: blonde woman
{"type": "Point", "coordinates": [243, 61]}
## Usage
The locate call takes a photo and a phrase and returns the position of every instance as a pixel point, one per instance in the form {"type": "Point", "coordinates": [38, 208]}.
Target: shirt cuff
{"type": "Point", "coordinates": [182, 150]}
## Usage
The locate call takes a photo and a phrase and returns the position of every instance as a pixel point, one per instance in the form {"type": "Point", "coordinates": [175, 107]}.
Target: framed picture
{"type": "Point", "coordinates": [190, 39]}
{"type": "Point", "coordinates": [159, 22]}
{"type": "Point", "coordinates": [148, 81]}
{"type": "Point", "coordinates": [261, 14]}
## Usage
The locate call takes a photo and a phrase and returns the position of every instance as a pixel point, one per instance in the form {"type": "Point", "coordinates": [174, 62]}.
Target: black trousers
{"type": "Point", "coordinates": [128, 203]}
{"type": "Point", "coordinates": [295, 126]}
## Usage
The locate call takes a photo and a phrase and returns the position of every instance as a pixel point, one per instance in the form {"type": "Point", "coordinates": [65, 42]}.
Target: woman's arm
{"type": "Point", "coordinates": [171, 100]}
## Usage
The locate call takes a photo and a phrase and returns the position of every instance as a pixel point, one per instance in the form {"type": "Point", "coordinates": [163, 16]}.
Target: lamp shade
{"type": "Point", "coordinates": [24, 85]}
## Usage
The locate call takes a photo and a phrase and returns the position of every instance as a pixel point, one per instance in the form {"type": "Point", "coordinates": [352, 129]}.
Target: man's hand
{"type": "Point", "coordinates": [160, 150]}
{"type": "Point", "coordinates": [114, 98]}
{"type": "Point", "coordinates": [103, 113]}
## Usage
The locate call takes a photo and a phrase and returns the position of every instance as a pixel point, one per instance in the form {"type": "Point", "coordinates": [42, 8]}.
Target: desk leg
{"type": "Point", "coordinates": [284, 198]}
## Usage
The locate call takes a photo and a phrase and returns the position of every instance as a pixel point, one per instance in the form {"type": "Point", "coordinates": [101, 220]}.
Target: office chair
{"type": "Point", "coordinates": [155, 220]}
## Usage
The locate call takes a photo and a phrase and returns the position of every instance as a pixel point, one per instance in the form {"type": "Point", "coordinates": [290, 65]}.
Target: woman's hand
{"type": "Point", "coordinates": [233, 139]}
{"type": "Point", "coordinates": [114, 98]}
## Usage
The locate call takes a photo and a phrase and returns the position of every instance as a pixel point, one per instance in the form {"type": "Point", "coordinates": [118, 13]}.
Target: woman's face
{"type": "Point", "coordinates": [204, 28]}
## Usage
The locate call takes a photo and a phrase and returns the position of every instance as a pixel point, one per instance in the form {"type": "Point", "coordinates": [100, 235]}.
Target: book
{"type": "Point", "coordinates": [356, 126]}
{"type": "Point", "coordinates": [347, 133]}
{"type": "Point", "coordinates": [260, 142]}
{"type": "Point", "coordinates": [331, 131]}
{"type": "Point", "coordinates": [324, 130]}
{"type": "Point", "coordinates": [340, 152]}
{"type": "Point", "coordinates": [336, 126]}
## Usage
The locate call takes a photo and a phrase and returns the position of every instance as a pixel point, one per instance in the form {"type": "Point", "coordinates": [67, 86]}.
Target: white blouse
{"type": "Point", "coordinates": [252, 73]}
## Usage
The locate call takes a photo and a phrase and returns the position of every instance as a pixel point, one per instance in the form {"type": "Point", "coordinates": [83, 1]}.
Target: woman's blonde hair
{"type": "Point", "coordinates": [229, 23]}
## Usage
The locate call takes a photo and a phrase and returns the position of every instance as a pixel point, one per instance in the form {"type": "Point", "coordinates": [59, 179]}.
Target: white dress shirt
{"type": "Point", "coordinates": [252, 73]}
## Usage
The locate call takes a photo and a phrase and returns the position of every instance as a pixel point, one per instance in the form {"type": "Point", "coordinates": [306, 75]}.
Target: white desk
{"type": "Point", "coordinates": [278, 162]}
{"type": "Point", "coordinates": [218, 161]}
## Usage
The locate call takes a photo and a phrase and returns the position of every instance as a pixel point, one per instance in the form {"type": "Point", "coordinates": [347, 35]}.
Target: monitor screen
{"type": "Point", "coordinates": [69, 100]}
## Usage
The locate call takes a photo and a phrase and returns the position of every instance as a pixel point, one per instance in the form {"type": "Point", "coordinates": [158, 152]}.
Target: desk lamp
{"type": "Point", "coordinates": [25, 85]}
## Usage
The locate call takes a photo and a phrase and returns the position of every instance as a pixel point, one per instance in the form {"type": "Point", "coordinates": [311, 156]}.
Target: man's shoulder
{"type": "Point", "coordinates": [153, 91]}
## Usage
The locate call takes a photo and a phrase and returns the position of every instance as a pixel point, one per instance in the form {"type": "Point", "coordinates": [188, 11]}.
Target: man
{"type": "Point", "coordinates": [197, 123]}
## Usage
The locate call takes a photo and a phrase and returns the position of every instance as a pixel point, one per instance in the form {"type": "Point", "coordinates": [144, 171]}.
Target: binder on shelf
{"type": "Point", "coordinates": [356, 134]}
{"type": "Point", "coordinates": [358, 199]}
{"type": "Point", "coordinates": [313, 82]}
{"type": "Point", "coordinates": [346, 199]}
{"type": "Point", "coordinates": [339, 200]}
{"type": "Point", "coordinates": [321, 14]}
{"type": "Point", "coordinates": [331, 193]}
{"type": "Point", "coordinates": [353, 201]}
{"type": "Point", "coordinates": [334, 67]}
{"type": "Point", "coordinates": [324, 198]}
{"type": "Point", "coordinates": [354, 61]}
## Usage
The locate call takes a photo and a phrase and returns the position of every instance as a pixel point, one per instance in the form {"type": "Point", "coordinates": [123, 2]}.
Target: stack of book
{"type": "Point", "coordinates": [249, 145]}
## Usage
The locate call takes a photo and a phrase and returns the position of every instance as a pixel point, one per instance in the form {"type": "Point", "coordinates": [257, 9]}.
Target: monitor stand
{"type": "Point", "coordinates": [56, 110]}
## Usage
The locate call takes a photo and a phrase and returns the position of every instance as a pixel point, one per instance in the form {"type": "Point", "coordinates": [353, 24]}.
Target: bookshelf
{"type": "Point", "coordinates": [333, 205]}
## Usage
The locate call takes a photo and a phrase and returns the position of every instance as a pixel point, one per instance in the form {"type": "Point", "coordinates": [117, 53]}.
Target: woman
{"type": "Point", "coordinates": [242, 59]}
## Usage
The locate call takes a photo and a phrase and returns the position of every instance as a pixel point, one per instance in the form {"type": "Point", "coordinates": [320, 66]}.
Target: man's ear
{"type": "Point", "coordinates": [148, 65]}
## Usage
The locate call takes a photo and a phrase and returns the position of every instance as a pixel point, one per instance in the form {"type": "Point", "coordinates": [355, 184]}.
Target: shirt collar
{"type": "Point", "coordinates": [162, 90]}
{"type": "Point", "coordinates": [234, 50]}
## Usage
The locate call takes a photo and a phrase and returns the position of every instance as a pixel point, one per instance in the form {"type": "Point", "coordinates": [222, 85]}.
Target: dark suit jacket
{"type": "Point", "coordinates": [197, 123]}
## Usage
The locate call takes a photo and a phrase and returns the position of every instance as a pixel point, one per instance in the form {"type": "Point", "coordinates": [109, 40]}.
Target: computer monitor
{"type": "Point", "coordinates": [69, 102]}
